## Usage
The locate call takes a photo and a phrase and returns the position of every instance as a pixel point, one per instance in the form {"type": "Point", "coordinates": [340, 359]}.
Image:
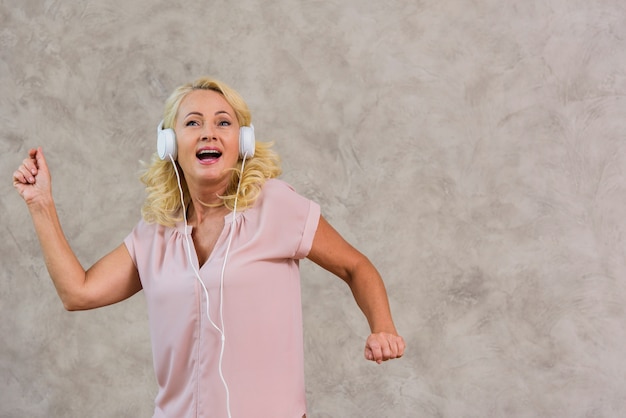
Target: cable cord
{"type": "Point", "coordinates": [197, 273]}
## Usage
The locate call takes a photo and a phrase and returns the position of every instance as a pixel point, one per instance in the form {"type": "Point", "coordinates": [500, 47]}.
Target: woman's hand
{"type": "Point", "coordinates": [32, 178]}
{"type": "Point", "coordinates": [383, 346]}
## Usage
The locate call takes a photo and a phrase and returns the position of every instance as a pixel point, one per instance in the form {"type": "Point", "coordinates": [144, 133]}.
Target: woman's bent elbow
{"type": "Point", "coordinates": [76, 303]}
{"type": "Point", "coordinates": [72, 306]}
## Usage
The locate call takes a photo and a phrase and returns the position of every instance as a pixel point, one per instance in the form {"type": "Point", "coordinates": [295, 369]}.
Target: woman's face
{"type": "Point", "coordinates": [207, 136]}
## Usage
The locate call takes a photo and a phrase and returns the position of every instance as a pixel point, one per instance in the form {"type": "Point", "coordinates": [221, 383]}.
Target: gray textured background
{"type": "Point", "coordinates": [473, 150]}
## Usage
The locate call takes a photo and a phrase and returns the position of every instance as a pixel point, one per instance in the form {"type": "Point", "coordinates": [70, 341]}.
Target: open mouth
{"type": "Point", "coordinates": [208, 154]}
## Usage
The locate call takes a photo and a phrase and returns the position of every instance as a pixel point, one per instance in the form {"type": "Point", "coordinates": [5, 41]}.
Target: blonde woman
{"type": "Point", "coordinates": [216, 253]}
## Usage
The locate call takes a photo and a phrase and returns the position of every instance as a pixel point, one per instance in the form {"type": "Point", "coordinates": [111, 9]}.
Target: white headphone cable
{"type": "Point", "coordinates": [197, 273]}
{"type": "Point", "coordinates": [230, 240]}
{"type": "Point", "coordinates": [195, 270]}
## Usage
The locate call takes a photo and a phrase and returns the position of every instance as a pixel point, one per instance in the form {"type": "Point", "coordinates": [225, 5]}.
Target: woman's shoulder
{"type": "Point", "coordinates": [275, 185]}
{"type": "Point", "coordinates": [281, 196]}
{"type": "Point", "coordinates": [278, 189]}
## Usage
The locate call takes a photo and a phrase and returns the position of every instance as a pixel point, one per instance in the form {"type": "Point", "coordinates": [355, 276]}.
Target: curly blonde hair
{"type": "Point", "coordinates": [163, 205]}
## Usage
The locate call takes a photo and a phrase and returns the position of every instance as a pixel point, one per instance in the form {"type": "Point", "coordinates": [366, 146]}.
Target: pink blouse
{"type": "Point", "coordinates": [263, 361]}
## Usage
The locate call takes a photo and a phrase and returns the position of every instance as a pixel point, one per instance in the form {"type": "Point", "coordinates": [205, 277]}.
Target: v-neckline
{"type": "Point", "coordinates": [180, 226]}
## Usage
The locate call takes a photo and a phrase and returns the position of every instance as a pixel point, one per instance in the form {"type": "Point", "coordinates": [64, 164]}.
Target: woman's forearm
{"type": "Point", "coordinates": [66, 272]}
{"type": "Point", "coordinates": [370, 295]}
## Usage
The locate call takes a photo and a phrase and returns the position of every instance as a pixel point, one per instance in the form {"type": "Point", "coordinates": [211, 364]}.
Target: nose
{"type": "Point", "coordinates": [207, 132]}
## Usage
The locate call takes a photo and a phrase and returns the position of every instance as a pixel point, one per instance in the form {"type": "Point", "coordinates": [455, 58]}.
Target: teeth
{"type": "Point", "coordinates": [207, 154]}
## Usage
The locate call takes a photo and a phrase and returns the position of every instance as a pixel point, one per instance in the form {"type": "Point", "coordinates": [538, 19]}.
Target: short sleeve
{"type": "Point", "coordinates": [288, 219]}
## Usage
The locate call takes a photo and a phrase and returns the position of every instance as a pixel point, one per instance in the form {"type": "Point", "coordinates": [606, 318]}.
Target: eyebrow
{"type": "Point", "coordinates": [219, 112]}
{"type": "Point", "coordinates": [193, 113]}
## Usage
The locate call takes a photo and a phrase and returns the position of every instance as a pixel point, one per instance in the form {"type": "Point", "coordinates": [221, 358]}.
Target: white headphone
{"type": "Point", "coordinates": [166, 142]}
{"type": "Point", "coordinates": [166, 148]}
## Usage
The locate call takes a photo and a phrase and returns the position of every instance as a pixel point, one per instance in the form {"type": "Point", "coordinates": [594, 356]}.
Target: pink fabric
{"type": "Point", "coordinates": [263, 357]}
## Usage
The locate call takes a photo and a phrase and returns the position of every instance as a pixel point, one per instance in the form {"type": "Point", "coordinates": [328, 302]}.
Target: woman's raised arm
{"type": "Point", "coordinates": [112, 279]}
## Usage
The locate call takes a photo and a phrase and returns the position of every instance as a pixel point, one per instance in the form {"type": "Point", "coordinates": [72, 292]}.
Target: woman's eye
{"type": "Point", "coordinates": [192, 123]}
{"type": "Point", "coordinates": [224, 123]}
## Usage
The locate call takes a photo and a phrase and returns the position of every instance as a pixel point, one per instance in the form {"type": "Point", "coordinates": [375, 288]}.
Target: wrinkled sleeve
{"type": "Point", "coordinates": [291, 219]}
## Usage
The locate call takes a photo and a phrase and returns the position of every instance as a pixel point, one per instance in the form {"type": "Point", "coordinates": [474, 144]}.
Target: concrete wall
{"type": "Point", "coordinates": [474, 151]}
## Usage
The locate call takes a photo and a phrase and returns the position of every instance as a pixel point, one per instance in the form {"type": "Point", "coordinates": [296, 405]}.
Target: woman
{"type": "Point", "coordinates": [216, 254]}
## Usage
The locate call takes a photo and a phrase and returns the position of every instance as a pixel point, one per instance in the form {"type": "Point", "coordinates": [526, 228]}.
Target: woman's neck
{"type": "Point", "coordinates": [206, 204]}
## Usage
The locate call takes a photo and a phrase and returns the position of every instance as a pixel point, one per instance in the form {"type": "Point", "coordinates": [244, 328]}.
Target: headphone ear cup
{"type": "Point", "coordinates": [246, 141]}
{"type": "Point", "coordinates": [166, 142]}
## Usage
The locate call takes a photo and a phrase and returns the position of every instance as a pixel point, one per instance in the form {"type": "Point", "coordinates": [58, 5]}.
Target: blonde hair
{"type": "Point", "coordinates": [163, 205]}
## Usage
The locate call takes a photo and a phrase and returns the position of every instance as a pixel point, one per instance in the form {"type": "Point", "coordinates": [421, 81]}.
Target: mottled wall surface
{"type": "Point", "coordinates": [474, 151]}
